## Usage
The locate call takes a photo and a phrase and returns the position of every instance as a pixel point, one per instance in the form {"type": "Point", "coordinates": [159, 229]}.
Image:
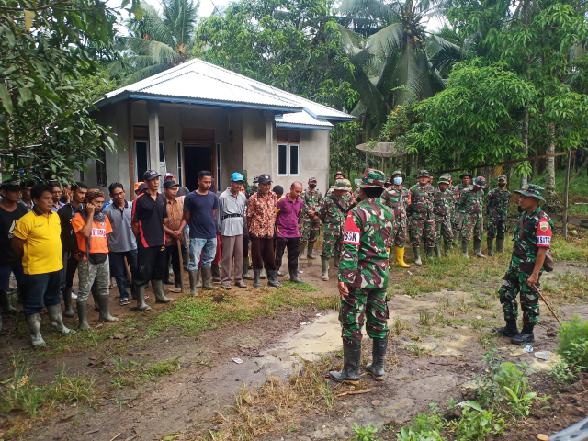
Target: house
{"type": "Point", "coordinates": [198, 116]}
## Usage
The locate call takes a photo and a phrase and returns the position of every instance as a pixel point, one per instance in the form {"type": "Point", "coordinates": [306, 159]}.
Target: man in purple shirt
{"type": "Point", "coordinates": [288, 231]}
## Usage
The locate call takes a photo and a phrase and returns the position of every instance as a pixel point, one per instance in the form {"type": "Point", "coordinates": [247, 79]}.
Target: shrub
{"type": "Point", "coordinates": [475, 423]}
{"type": "Point", "coordinates": [573, 343]}
{"type": "Point", "coordinates": [424, 427]}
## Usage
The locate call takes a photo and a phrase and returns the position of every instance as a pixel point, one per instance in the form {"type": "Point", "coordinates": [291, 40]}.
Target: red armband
{"type": "Point", "coordinates": [350, 231]}
{"type": "Point", "coordinates": [543, 233]}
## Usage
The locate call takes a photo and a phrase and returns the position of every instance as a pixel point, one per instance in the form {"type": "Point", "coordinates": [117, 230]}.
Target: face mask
{"type": "Point", "coordinates": [397, 180]}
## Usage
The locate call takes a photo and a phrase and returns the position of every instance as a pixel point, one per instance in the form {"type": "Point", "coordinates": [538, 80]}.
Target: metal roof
{"type": "Point", "coordinates": [203, 83]}
{"type": "Point", "coordinates": [301, 120]}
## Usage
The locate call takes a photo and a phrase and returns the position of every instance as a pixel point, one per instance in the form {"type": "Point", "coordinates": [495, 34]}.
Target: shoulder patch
{"type": "Point", "coordinates": [544, 225]}
{"type": "Point", "coordinates": [350, 230]}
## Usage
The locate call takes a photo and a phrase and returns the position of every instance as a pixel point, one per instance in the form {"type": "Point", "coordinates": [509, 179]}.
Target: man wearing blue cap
{"type": "Point", "coordinates": [232, 203]}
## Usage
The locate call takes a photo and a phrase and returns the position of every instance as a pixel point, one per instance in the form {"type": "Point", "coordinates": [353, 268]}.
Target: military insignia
{"type": "Point", "coordinates": [351, 231]}
{"type": "Point", "coordinates": [544, 226]}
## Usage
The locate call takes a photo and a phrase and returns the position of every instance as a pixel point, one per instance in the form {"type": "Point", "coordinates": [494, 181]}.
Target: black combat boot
{"type": "Point", "coordinates": [272, 279]}
{"type": "Point", "coordinates": [437, 250]}
{"type": "Point", "coordinates": [430, 252]}
{"type": "Point", "coordinates": [417, 256]}
{"type": "Point", "coordinates": [351, 357]}
{"type": "Point", "coordinates": [256, 278]}
{"type": "Point", "coordinates": [526, 335]}
{"type": "Point", "coordinates": [509, 330]}
{"type": "Point", "coordinates": [489, 241]}
{"type": "Point", "coordinates": [500, 244]}
{"type": "Point", "coordinates": [376, 367]}
{"type": "Point", "coordinates": [294, 276]}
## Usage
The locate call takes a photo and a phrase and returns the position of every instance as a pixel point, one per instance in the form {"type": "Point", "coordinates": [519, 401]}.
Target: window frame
{"type": "Point", "coordinates": [288, 146]}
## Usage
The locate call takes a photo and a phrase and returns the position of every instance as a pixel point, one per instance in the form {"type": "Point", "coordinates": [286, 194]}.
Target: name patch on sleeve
{"type": "Point", "coordinates": [543, 233]}
{"type": "Point", "coordinates": [350, 231]}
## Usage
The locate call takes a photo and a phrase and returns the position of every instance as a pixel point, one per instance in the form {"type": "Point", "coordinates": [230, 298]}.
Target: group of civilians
{"type": "Point", "coordinates": [48, 232]}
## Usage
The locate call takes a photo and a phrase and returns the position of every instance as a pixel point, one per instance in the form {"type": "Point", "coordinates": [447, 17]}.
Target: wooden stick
{"type": "Point", "coordinates": [181, 259]}
{"type": "Point", "coordinates": [542, 297]}
{"type": "Point", "coordinates": [354, 392]}
{"type": "Point", "coordinates": [115, 436]}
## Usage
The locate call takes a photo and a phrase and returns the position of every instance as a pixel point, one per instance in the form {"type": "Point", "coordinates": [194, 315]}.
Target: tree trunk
{"type": "Point", "coordinates": [550, 163]}
{"type": "Point", "coordinates": [524, 178]}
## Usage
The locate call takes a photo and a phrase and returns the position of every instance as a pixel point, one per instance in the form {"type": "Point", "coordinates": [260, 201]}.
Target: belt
{"type": "Point", "coordinates": [228, 216]}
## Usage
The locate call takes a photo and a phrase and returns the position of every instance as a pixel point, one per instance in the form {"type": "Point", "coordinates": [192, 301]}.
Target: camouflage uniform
{"type": "Point", "coordinates": [333, 218]}
{"type": "Point", "coordinates": [470, 209]}
{"type": "Point", "coordinates": [421, 217]}
{"type": "Point", "coordinates": [532, 231]}
{"type": "Point", "coordinates": [311, 228]}
{"type": "Point", "coordinates": [457, 218]}
{"type": "Point", "coordinates": [443, 209]}
{"type": "Point", "coordinates": [497, 212]}
{"type": "Point", "coordinates": [396, 198]}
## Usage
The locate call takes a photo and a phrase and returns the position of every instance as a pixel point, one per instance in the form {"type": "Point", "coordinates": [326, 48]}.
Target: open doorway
{"type": "Point", "coordinates": [196, 159]}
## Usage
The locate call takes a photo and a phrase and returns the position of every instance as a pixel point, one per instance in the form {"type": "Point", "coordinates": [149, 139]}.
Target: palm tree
{"type": "Point", "coordinates": [156, 43]}
{"type": "Point", "coordinates": [397, 61]}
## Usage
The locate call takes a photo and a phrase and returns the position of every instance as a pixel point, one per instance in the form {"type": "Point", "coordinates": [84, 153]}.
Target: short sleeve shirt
{"type": "Point", "coordinates": [149, 214]}
{"type": "Point", "coordinates": [7, 224]}
{"type": "Point", "coordinates": [122, 239]}
{"type": "Point", "coordinates": [98, 236]}
{"type": "Point", "coordinates": [41, 234]}
{"type": "Point", "coordinates": [202, 220]}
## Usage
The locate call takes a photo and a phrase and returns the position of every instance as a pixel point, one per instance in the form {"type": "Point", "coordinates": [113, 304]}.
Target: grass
{"type": "Point", "coordinates": [567, 287]}
{"type": "Point", "coordinates": [133, 373]}
{"type": "Point", "coordinates": [575, 249]}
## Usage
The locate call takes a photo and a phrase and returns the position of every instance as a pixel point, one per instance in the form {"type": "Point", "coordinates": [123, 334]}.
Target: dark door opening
{"type": "Point", "coordinates": [196, 159]}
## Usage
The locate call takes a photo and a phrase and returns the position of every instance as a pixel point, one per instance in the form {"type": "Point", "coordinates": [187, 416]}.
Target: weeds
{"type": "Point", "coordinates": [364, 433]}
{"type": "Point", "coordinates": [425, 318]}
{"type": "Point", "coordinates": [573, 343]}
{"type": "Point", "coordinates": [571, 250]}
{"type": "Point", "coordinates": [563, 373]}
{"type": "Point", "coordinates": [515, 389]}
{"type": "Point", "coordinates": [398, 326]}
{"type": "Point", "coordinates": [476, 423]}
{"type": "Point", "coordinates": [425, 426]}
{"type": "Point", "coordinates": [132, 373]}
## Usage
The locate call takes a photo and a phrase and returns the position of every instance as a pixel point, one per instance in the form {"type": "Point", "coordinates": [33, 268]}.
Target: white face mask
{"type": "Point", "coordinates": [397, 180]}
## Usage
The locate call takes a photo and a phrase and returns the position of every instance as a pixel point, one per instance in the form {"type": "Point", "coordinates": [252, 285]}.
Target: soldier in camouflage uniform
{"type": "Point", "coordinates": [332, 213]}
{"type": "Point", "coordinates": [336, 176]}
{"type": "Point", "coordinates": [532, 240]}
{"type": "Point", "coordinates": [443, 209]}
{"type": "Point", "coordinates": [421, 217]}
{"type": "Point", "coordinates": [396, 197]}
{"type": "Point", "coordinates": [470, 204]}
{"type": "Point", "coordinates": [466, 181]}
{"type": "Point", "coordinates": [363, 279]}
{"type": "Point", "coordinates": [311, 224]}
{"type": "Point", "coordinates": [497, 214]}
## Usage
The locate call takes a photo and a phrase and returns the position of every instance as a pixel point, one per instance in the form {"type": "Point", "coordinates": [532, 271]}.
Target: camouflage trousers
{"type": "Point", "coordinates": [515, 282]}
{"type": "Point", "coordinates": [471, 223]}
{"type": "Point", "coordinates": [456, 223]}
{"type": "Point", "coordinates": [358, 304]}
{"type": "Point", "coordinates": [399, 232]}
{"type": "Point", "coordinates": [310, 230]}
{"type": "Point", "coordinates": [443, 229]}
{"type": "Point", "coordinates": [332, 243]}
{"type": "Point", "coordinates": [93, 274]}
{"type": "Point", "coordinates": [422, 230]}
{"type": "Point", "coordinates": [496, 227]}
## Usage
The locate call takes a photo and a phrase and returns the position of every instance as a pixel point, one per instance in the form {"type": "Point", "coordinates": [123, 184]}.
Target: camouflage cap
{"type": "Point", "coordinates": [342, 184]}
{"type": "Point", "coordinates": [422, 173]}
{"type": "Point", "coordinates": [443, 179]}
{"type": "Point", "coordinates": [397, 173]}
{"type": "Point", "coordinates": [531, 191]}
{"type": "Point", "coordinates": [464, 174]}
{"type": "Point", "coordinates": [480, 181]}
{"type": "Point", "coordinates": [502, 178]}
{"type": "Point", "coordinates": [373, 178]}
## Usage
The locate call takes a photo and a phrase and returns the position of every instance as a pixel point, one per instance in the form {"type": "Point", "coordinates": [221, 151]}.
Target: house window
{"type": "Point", "coordinates": [288, 159]}
{"type": "Point", "coordinates": [101, 169]}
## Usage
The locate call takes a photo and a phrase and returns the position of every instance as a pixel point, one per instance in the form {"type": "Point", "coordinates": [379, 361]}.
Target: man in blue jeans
{"type": "Point", "coordinates": [200, 213]}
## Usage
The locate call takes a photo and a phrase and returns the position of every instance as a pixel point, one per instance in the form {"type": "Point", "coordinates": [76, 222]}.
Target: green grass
{"type": "Point", "coordinates": [578, 183]}
{"type": "Point", "coordinates": [571, 250]}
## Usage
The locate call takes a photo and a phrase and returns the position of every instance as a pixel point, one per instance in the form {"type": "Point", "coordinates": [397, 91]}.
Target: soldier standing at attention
{"type": "Point", "coordinates": [332, 213]}
{"type": "Point", "coordinates": [497, 212]}
{"type": "Point", "coordinates": [397, 198]}
{"type": "Point", "coordinates": [532, 239]}
{"type": "Point", "coordinates": [363, 279]}
{"type": "Point", "coordinates": [470, 209]}
{"type": "Point", "coordinates": [466, 181]}
{"type": "Point", "coordinates": [311, 224]}
{"type": "Point", "coordinates": [421, 217]}
{"type": "Point", "coordinates": [443, 209]}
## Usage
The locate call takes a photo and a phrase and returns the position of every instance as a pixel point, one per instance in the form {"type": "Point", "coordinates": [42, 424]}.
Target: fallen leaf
{"type": "Point", "coordinates": [542, 437]}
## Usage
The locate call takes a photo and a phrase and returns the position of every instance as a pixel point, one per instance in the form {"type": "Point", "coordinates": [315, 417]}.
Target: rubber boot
{"type": "Point", "coordinates": [325, 269]}
{"type": "Point", "coordinates": [193, 279]}
{"type": "Point", "coordinates": [272, 279]}
{"type": "Point", "coordinates": [500, 244]}
{"type": "Point", "coordinates": [309, 252]}
{"type": "Point", "coordinates": [376, 367]}
{"type": "Point", "coordinates": [67, 303]}
{"type": "Point", "coordinates": [400, 257]}
{"type": "Point", "coordinates": [478, 248]}
{"type": "Point", "coordinates": [437, 250]}
{"type": "Point", "coordinates": [34, 324]}
{"type": "Point", "coordinates": [82, 308]}
{"type": "Point", "coordinates": [5, 304]}
{"type": "Point", "coordinates": [464, 248]}
{"type": "Point", "coordinates": [246, 274]}
{"type": "Point", "coordinates": [206, 277]}
{"type": "Point", "coordinates": [95, 297]}
{"type": "Point", "coordinates": [104, 313]}
{"type": "Point", "coordinates": [336, 260]}
{"type": "Point", "coordinates": [256, 278]}
{"type": "Point", "coordinates": [157, 286]}
{"type": "Point", "coordinates": [294, 276]}
{"type": "Point", "coordinates": [509, 330]}
{"type": "Point", "coordinates": [351, 357]}
{"type": "Point", "coordinates": [417, 256]}
{"type": "Point", "coordinates": [301, 248]}
{"type": "Point", "coordinates": [489, 241]}
{"type": "Point", "coordinates": [141, 305]}
{"type": "Point", "coordinates": [526, 335]}
{"type": "Point", "coordinates": [57, 319]}
{"type": "Point", "coordinates": [215, 271]}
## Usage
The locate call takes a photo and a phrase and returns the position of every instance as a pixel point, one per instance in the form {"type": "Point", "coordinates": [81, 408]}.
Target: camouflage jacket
{"type": "Point", "coordinates": [497, 207]}
{"type": "Point", "coordinates": [421, 201]}
{"type": "Point", "coordinates": [396, 199]}
{"type": "Point", "coordinates": [312, 201]}
{"type": "Point", "coordinates": [532, 231]}
{"type": "Point", "coordinates": [330, 213]}
{"type": "Point", "coordinates": [471, 201]}
{"type": "Point", "coordinates": [443, 203]}
{"type": "Point", "coordinates": [367, 237]}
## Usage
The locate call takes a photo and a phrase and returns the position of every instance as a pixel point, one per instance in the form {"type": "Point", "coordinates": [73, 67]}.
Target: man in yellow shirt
{"type": "Point", "coordinates": [37, 239]}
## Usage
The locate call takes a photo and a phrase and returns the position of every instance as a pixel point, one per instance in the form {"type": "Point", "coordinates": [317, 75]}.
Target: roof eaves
{"type": "Point", "coordinates": [283, 125]}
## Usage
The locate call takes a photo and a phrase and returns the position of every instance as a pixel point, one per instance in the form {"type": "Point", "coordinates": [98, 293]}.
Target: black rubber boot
{"type": "Point", "coordinates": [430, 252]}
{"type": "Point", "coordinates": [215, 271]}
{"type": "Point", "coordinates": [309, 252]}
{"type": "Point", "coordinates": [141, 305]}
{"type": "Point", "coordinates": [526, 336]}
{"type": "Point", "coordinates": [500, 244]}
{"type": "Point", "coordinates": [509, 330]}
{"type": "Point", "coordinates": [67, 303]}
{"type": "Point", "coordinates": [437, 250]}
{"type": "Point", "coordinates": [157, 286]}
{"type": "Point", "coordinates": [294, 276]}
{"type": "Point", "coordinates": [464, 248]}
{"type": "Point", "coordinates": [206, 278]}
{"type": "Point", "coordinates": [5, 304]}
{"type": "Point", "coordinates": [376, 367]}
{"type": "Point", "coordinates": [489, 242]}
{"type": "Point", "coordinates": [256, 278]}
{"type": "Point", "coordinates": [478, 248]}
{"type": "Point", "coordinates": [82, 308]}
{"type": "Point", "coordinates": [246, 274]}
{"type": "Point", "coordinates": [272, 279]}
{"type": "Point", "coordinates": [105, 315]}
{"type": "Point", "coordinates": [193, 279]}
{"type": "Point", "coordinates": [417, 256]}
{"type": "Point", "coordinates": [351, 358]}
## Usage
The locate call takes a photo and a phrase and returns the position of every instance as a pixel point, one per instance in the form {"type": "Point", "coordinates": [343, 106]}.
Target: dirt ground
{"type": "Point", "coordinates": [437, 343]}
